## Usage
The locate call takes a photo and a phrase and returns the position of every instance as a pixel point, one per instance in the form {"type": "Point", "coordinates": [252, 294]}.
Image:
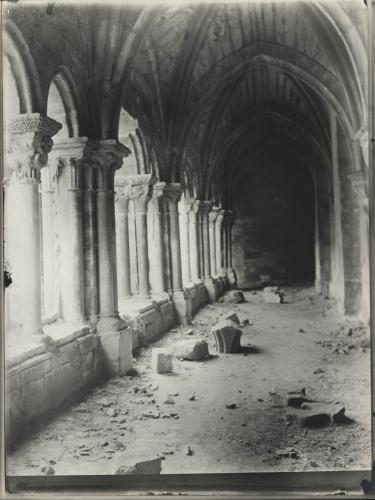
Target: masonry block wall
{"type": "Point", "coordinates": [41, 383]}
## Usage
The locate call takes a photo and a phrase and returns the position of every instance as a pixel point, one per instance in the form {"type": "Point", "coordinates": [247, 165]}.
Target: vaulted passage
{"type": "Point", "coordinates": [160, 157]}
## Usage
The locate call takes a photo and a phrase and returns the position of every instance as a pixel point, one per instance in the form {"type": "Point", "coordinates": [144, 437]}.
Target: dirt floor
{"type": "Point", "coordinates": [287, 346]}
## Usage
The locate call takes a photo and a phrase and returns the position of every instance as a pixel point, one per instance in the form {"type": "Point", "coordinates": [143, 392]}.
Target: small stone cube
{"type": "Point", "coordinates": [161, 360]}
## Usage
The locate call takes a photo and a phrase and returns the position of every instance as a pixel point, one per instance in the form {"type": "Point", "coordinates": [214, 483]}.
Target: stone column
{"type": "Point", "coordinates": [68, 155]}
{"type": "Point", "coordinates": [122, 243]}
{"type": "Point", "coordinates": [218, 243]}
{"type": "Point", "coordinates": [50, 306]}
{"type": "Point", "coordinates": [337, 287]}
{"type": "Point", "coordinates": [106, 156]}
{"type": "Point", "coordinates": [194, 244]}
{"type": "Point", "coordinates": [29, 145]}
{"type": "Point", "coordinates": [181, 301]}
{"type": "Point", "coordinates": [139, 189]}
{"type": "Point", "coordinates": [228, 223]}
{"type": "Point", "coordinates": [357, 278]}
{"type": "Point", "coordinates": [156, 246]}
{"type": "Point", "coordinates": [204, 208]}
{"type": "Point", "coordinates": [212, 217]}
{"type": "Point", "coordinates": [186, 205]}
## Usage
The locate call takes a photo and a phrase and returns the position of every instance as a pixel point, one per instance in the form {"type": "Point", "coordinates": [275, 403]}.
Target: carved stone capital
{"type": "Point", "coordinates": [29, 142]}
{"type": "Point", "coordinates": [219, 220]}
{"type": "Point", "coordinates": [33, 123]}
{"type": "Point", "coordinates": [121, 201]}
{"type": "Point", "coordinates": [203, 208]}
{"type": "Point", "coordinates": [172, 193]}
{"type": "Point", "coordinates": [106, 156]}
{"type": "Point", "coordinates": [213, 215]}
{"type": "Point", "coordinates": [27, 154]}
{"type": "Point", "coordinates": [187, 205]}
{"type": "Point", "coordinates": [69, 154]}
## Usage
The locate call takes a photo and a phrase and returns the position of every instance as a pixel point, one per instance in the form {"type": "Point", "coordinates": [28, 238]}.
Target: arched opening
{"type": "Point", "coordinates": [273, 232]}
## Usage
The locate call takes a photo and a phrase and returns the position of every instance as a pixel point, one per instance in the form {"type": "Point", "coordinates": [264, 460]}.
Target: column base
{"type": "Point", "coordinates": [117, 348]}
{"type": "Point", "coordinates": [232, 277]}
{"type": "Point", "coordinates": [110, 324]}
{"type": "Point", "coordinates": [182, 307]}
{"type": "Point", "coordinates": [210, 285]}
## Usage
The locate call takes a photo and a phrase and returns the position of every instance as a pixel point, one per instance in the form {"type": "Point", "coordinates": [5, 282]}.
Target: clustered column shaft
{"type": "Point", "coordinates": [30, 143]}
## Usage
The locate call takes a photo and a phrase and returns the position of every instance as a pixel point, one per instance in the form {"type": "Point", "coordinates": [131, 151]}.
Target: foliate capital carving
{"type": "Point", "coordinates": [121, 201]}
{"type": "Point", "coordinates": [139, 189]}
{"type": "Point", "coordinates": [203, 207]}
{"type": "Point", "coordinates": [213, 215]}
{"type": "Point", "coordinates": [172, 193]}
{"type": "Point", "coordinates": [27, 154]}
{"type": "Point", "coordinates": [30, 142]}
{"type": "Point", "coordinates": [188, 204]}
{"type": "Point", "coordinates": [69, 154]}
{"type": "Point", "coordinates": [106, 156]}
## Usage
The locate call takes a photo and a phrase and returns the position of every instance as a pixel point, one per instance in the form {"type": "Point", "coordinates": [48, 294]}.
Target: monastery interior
{"type": "Point", "coordinates": [160, 155]}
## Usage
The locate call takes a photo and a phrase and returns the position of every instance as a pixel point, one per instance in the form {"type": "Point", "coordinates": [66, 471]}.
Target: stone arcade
{"type": "Point", "coordinates": [159, 156]}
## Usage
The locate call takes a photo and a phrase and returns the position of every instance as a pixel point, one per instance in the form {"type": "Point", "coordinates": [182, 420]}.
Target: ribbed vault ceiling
{"type": "Point", "coordinates": [210, 84]}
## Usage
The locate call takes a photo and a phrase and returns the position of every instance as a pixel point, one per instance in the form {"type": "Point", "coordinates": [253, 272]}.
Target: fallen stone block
{"type": "Point", "coordinates": [145, 467]}
{"type": "Point", "coordinates": [308, 418]}
{"type": "Point", "coordinates": [234, 297]}
{"type": "Point", "coordinates": [336, 412]}
{"type": "Point", "coordinates": [287, 453]}
{"type": "Point", "coordinates": [232, 316]}
{"type": "Point", "coordinates": [227, 336]}
{"type": "Point", "coordinates": [161, 360]}
{"type": "Point", "coordinates": [192, 349]}
{"type": "Point", "coordinates": [295, 398]}
{"type": "Point", "coordinates": [272, 295]}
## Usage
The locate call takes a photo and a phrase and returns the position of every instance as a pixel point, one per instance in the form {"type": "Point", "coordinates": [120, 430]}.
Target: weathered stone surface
{"type": "Point", "coordinates": [232, 316]}
{"type": "Point", "coordinates": [336, 412]}
{"type": "Point", "coordinates": [234, 297]}
{"type": "Point", "coordinates": [227, 336]}
{"type": "Point", "coordinates": [272, 295]}
{"type": "Point", "coordinates": [317, 417]}
{"type": "Point", "coordinates": [145, 467]}
{"type": "Point", "coordinates": [192, 349]}
{"type": "Point", "coordinates": [117, 348]}
{"type": "Point", "coordinates": [295, 398]}
{"type": "Point", "coordinates": [161, 360]}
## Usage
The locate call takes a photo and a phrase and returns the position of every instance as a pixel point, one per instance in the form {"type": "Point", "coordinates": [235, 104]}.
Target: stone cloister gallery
{"type": "Point", "coordinates": [160, 159]}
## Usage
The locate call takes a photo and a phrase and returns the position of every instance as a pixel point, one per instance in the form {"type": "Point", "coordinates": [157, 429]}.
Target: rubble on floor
{"type": "Point", "coordinates": [191, 349]}
{"type": "Point", "coordinates": [272, 295]}
{"type": "Point", "coordinates": [152, 466]}
{"type": "Point", "coordinates": [233, 297]}
{"type": "Point", "coordinates": [306, 412]}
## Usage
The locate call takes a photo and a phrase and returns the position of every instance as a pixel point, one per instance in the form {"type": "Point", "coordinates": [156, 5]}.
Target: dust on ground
{"type": "Point", "coordinates": [182, 416]}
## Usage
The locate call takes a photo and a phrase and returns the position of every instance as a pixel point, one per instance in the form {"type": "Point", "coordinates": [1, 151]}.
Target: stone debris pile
{"type": "Point", "coordinates": [272, 295]}
{"type": "Point", "coordinates": [309, 413]}
{"type": "Point", "coordinates": [191, 349]}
